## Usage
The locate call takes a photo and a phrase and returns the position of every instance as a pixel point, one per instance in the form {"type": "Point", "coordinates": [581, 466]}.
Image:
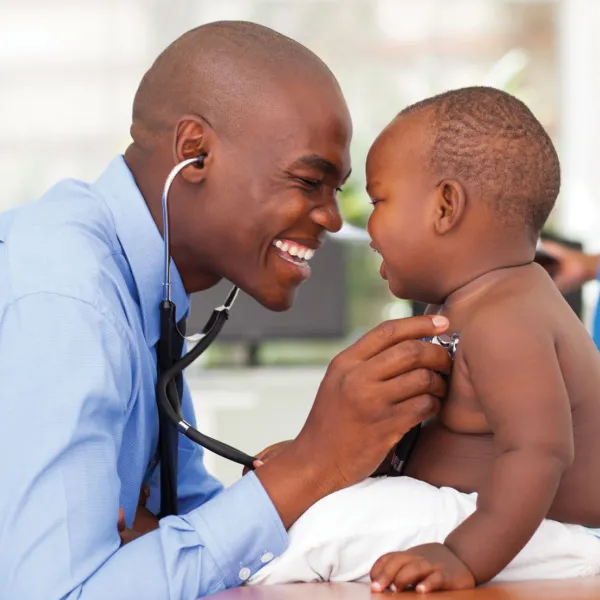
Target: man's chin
{"type": "Point", "coordinates": [278, 302]}
{"type": "Point", "coordinates": [275, 297]}
{"type": "Point", "coordinates": [276, 294]}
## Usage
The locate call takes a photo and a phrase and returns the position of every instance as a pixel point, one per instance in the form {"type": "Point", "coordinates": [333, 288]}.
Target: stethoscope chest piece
{"type": "Point", "coordinates": [449, 342]}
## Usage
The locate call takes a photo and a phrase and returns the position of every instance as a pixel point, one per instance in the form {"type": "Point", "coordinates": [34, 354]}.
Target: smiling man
{"type": "Point", "coordinates": [81, 273]}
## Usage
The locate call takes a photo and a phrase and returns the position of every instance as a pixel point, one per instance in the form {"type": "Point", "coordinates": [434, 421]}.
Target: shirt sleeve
{"type": "Point", "coordinates": [65, 381]}
{"type": "Point", "coordinates": [596, 331]}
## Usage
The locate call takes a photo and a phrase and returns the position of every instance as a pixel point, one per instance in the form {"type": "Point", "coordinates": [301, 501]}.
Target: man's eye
{"type": "Point", "coordinates": [311, 183]}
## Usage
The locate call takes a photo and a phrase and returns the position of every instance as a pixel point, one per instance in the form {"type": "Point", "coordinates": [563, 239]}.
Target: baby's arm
{"type": "Point", "coordinates": [514, 370]}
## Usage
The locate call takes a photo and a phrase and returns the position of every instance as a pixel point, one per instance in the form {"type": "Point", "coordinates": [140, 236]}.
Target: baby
{"type": "Point", "coordinates": [462, 184]}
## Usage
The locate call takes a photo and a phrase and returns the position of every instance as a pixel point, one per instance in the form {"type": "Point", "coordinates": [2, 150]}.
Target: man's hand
{"type": "Point", "coordinates": [372, 394]}
{"type": "Point", "coordinates": [126, 535]}
{"type": "Point", "coordinates": [573, 268]}
{"type": "Point", "coordinates": [266, 454]}
{"type": "Point", "coordinates": [428, 568]}
{"type": "Point", "coordinates": [143, 522]}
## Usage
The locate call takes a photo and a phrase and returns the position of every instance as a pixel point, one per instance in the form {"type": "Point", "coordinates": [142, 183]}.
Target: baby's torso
{"type": "Point", "coordinates": [456, 449]}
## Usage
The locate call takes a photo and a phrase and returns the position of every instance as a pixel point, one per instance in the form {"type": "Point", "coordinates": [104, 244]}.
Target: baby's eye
{"type": "Point", "coordinates": [374, 201]}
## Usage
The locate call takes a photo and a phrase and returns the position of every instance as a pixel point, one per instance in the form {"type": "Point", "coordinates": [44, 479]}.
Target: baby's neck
{"type": "Point", "coordinates": [472, 291]}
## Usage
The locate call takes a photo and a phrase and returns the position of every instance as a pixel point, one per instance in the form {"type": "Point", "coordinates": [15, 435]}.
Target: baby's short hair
{"type": "Point", "coordinates": [489, 138]}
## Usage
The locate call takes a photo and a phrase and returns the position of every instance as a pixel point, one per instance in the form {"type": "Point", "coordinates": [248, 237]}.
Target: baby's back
{"type": "Point", "coordinates": [457, 448]}
{"type": "Point", "coordinates": [578, 498]}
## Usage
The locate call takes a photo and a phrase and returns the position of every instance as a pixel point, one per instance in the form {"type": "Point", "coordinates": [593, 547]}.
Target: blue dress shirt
{"type": "Point", "coordinates": [597, 319]}
{"type": "Point", "coordinates": [81, 280]}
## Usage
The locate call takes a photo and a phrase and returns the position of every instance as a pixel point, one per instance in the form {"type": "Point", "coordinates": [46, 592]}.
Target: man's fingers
{"type": "Point", "coordinates": [144, 520]}
{"type": "Point", "coordinates": [266, 454]}
{"type": "Point", "coordinates": [392, 332]}
{"type": "Point", "coordinates": [272, 450]}
{"type": "Point", "coordinates": [409, 355]}
{"type": "Point", "coordinates": [128, 535]}
{"type": "Point", "coordinates": [144, 494]}
{"type": "Point", "coordinates": [431, 583]}
{"type": "Point", "coordinates": [414, 383]}
{"type": "Point", "coordinates": [415, 410]}
{"type": "Point", "coordinates": [255, 464]}
{"type": "Point", "coordinates": [121, 520]}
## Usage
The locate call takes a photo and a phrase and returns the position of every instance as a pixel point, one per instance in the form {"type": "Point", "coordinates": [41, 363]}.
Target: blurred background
{"type": "Point", "coordinates": [68, 73]}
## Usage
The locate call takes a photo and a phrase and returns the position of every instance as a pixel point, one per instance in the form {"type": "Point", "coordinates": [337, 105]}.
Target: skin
{"type": "Point", "coordinates": [520, 423]}
{"type": "Point", "coordinates": [276, 144]}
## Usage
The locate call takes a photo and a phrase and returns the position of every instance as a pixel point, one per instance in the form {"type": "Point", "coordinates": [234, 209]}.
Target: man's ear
{"type": "Point", "coordinates": [450, 205]}
{"type": "Point", "coordinates": [191, 140]}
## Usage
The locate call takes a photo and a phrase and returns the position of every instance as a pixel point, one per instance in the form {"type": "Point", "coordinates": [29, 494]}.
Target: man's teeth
{"type": "Point", "coordinates": [294, 249]}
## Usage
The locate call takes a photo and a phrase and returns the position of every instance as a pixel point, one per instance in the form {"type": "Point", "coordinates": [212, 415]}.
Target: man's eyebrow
{"type": "Point", "coordinates": [324, 165]}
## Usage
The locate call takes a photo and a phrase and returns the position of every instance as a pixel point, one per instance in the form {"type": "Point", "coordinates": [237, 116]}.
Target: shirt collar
{"type": "Point", "coordinates": [142, 245]}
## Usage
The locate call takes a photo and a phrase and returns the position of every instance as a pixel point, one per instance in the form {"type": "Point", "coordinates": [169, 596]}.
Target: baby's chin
{"type": "Point", "coordinates": [411, 292]}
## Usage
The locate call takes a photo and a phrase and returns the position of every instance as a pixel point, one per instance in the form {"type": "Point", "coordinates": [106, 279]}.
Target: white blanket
{"type": "Point", "coordinates": [341, 537]}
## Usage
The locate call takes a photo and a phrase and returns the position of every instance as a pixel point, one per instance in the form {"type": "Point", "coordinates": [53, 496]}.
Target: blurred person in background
{"type": "Point", "coordinates": [570, 270]}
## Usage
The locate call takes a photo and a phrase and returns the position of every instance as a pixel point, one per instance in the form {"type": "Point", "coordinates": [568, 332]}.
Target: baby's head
{"type": "Point", "coordinates": [462, 184]}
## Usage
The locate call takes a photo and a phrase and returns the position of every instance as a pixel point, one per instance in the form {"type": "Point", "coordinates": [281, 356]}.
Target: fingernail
{"type": "Point", "coordinates": [376, 586]}
{"type": "Point", "coordinates": [421, 589]}
{"type": "Point", "coordinates": [393, 588]}
{"type": "Point", "coordinates": [440, 321]}
{"type": "Point", "coordinates": [258, 463]}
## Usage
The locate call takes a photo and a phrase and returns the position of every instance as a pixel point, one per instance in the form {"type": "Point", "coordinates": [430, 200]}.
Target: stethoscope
{"type": "Point", "coordinates": [170, 367]}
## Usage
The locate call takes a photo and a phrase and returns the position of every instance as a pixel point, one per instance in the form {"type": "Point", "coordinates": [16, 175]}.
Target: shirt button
{"type": "Point", "coordinates": [244, 573]}
{"type": "Point", "coordinates": [266, 557]}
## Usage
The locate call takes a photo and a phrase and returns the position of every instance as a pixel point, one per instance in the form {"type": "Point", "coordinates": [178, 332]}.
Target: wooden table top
{"type": "Point", "coordinates": [572, 589]}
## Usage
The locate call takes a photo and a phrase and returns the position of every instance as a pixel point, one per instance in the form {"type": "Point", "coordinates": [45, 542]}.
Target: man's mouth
{"type": "Point", "coordinates": [294, 252]}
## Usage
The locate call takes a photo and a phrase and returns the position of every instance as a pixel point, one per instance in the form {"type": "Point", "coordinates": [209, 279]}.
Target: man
{"type": "Point", "coordinates": [82, 282]}
{"type": "Point", "coordinates": [573, 269]}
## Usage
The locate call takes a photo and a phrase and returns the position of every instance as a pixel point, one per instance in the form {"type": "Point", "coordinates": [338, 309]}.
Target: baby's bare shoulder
{"type": "Point", "coordinates": [501, 313]}
{"type": "Point", "coordinates": [526, 300]}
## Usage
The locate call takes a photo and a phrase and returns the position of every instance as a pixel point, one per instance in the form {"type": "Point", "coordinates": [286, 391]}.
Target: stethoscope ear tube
{"type": "Point", "coordinates": [169, 367]}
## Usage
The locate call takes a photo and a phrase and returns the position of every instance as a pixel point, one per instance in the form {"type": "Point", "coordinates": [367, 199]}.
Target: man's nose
{"type": "Point", "coordinates": [327, 216]}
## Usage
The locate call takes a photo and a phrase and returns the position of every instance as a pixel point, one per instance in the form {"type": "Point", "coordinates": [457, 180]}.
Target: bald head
{"type": "Point", "coordinates": [224, 72]}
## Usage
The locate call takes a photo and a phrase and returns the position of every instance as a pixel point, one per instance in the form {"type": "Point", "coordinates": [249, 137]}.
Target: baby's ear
{"type": "Point", "coordinates": [450, 205]}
